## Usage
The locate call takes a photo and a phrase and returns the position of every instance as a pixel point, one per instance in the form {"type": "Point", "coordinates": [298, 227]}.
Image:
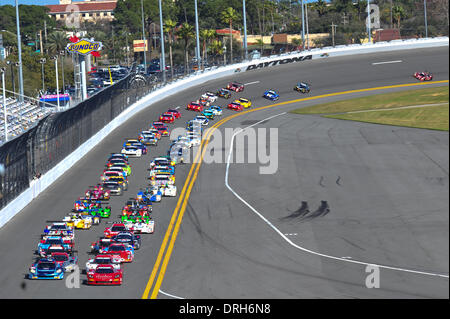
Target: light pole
{"type": "Point", "coordinates": [224, 54]}
{"type": "Point", "coordinates": [307, 28]}
{"type": "Point", "coordinates": [245, 30]}
{"type": "Point", "coordinates": [42, 62]}
{"type": "Point", "coordinates": [5, 117]}
{"type": "Point", "coordinates": [57, 81]}
{"type": "Point", "coordinates": [197, 35]}
{"type": "Point", "coordinates": [19, 49]}
{"type": "Point", "coordinates": [369, 31]}
{"type": "Point", "coordinates": [425, 14]}
{"type": "Point", "coordinates": [303, 27]}
{"type": "Point", "coordinates": [143, 38]}
{"type": "Point", "coordinates": [13, 80]}
{"type": "Point", "coordinates": [163, 57]}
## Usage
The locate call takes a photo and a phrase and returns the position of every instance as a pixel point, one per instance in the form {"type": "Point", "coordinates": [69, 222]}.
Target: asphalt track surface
{"type": "Point", "coordinates": [386, 187]}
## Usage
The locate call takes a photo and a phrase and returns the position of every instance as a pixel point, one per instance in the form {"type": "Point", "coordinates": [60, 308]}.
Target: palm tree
{"type": "Point", "coordinates": [321, 7]}
{"type": "Point", "coordinates": [260, 42]}
{"type": "Point", "coordinates": [186, 32]}
{"type": "Point", "coordinates": [228, 16]}
{"type": "Point", "coordinates": [206, 35]}
{"type": "Point", "coordinates": [169, 27]}
{"type": "Point", "coordinates": [398, 13]}
{"type": "Point", "coordinates": [57, 41]}
{"type": "Point", "coordinates": [216, 48]}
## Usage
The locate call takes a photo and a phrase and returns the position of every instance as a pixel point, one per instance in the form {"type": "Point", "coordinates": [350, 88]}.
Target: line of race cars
{"type": "Point", "coordinates": [55, 251]}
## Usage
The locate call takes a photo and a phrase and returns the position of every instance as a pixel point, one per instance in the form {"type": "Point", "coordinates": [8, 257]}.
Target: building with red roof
{"type": "Point", "coordinates": [87, 10]}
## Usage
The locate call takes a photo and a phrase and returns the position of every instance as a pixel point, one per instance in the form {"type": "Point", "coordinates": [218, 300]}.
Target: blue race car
{"type": "Point", "coordinates": [271, 95]}
{"type": "Point", "coordinates": [46, 268]}
{"type": "Point", "coordinates": [302, 87]}
{"type": "Point", "coordinates": [150, 194]}
{"type": "Point", "coordinates": [48, 241]}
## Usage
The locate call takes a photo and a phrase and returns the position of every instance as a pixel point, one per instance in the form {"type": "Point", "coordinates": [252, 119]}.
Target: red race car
{"type": "Point", "coordinates": [423, 76]}
{"type": "Point", "coordinates": [194, 106]}
{"type": "Point", "coordinates": [114, 230]}
{"type": "Point", "coordinates": [167, 118]}
{"type": "Point", "coordinates": [235, 86]}
{"type": "Point", "coordinates": [122, 252]}
{"type": "Point", "coordinates": [175, 113]}
{"type": "Point", "coordinates": [235, 106]}
{"type": "Point", "coordinates": [159, 124]}
{"type": "Point", "coordinates": [105, 275]}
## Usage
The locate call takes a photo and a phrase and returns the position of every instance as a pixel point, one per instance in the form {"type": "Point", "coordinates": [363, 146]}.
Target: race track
{"type": "Point", "coordinates": [386, 188]}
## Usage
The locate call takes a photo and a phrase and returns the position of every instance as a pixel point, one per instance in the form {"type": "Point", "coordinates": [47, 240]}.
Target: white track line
{"type": "Point", "coordinates": [346, 259]}
{"type": "Point", "coordinates": [387, 62]}
{"type": "Point", "coordinates": [169, 295]}
{"type": "Point", "coordinates": [250, 83]}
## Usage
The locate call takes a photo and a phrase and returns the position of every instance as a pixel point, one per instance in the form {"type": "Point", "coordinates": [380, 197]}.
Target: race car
{"type": "Point", "coordinates": [136, 143]}
{"type": "Point", "coordinates": [209, 114]}
{"type": "Point", "coordinates": [169, 190]}
{"type": "Point", "coordinates": [59, 229]}
{"type": "Point", "coordinates": [105, 275]}
{"type": "Point", "coordinates": [157, 124]}
{"type": "Point", "coordinates": [115, 187]}
{"type": "Point", "coordinates": [235, 106]}
{"type": "Point", "coordinates": [55, 248]}
{"type": "Point", "coordinates": [302, 87]}
{"type": "Point", "coordinates": [132, 151]}
{"type": "Point", "coordinates": [102, 260]}
{"type": "Point", "coordinates": [167, 118]}
{"type": "Point", "coordinates": [423, 76]}
{"type": "Point", "coordinates": [47, 241]}
{"type": "Point", "coordinates": [46, 268]}
{"type": "Point", "coordinates": [244, 102]}
{"type": "Point", "coordinates": [114, 176]}
{"type": "Point", "coordinates": [142, 227]}
{"type": "Point", "coordinates": [118, 156]}
{"type": "Point", "coordinates": [235, 86]}
{"type": "Point", "coordinates": [216, 110]}
{"type": "Point", "coordinates": [99, 245]}
{"type": "Point", "coordinates": [162, 168]}
{"type": "Point", "coordinates": [271, 95]}
{"type": "Point", "coordinates": [122, 252]}
{"type": "Point", "coordinates": [155, 132]}
{"type": "Point", "coordinates": [175, 113]}
{"type": "Point", "coordinates": [161, 161]}
{"type": "Point", "coordinates": [211, 97]}
{"type": "Point", "coordinates": [164, 131]}
{"type": "Point", "coordinates": [224, 93]}
{"type": "Point", "coordinates": [97, 193]}
{"type": "Point", "coordinates": [161, 180]}
{"type": "Point", "coordinates": [148, 138]}
{"type": "Point", "coordinates": [202, 119]}
{"type": "Point", "coordinates": [114, 230]}
{"type": "Point", "coordinates": [195, 106]}
{"type": "Point", "coordinates": [66, 261]}
{"type": "Point", "coordinates": [80, 221]}
{"type": "Point", "coordinates": [128, 238]}
{"type": "Point", "coordinates": [153, 194]}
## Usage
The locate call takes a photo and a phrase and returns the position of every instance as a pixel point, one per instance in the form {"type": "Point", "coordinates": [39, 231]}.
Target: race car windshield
{"type": "Point", "coordinates": [53, 241]}
{"type": "Point", "coordinates": [46, 266]}
{"type": "Point", "coordinates": [118, 228]}
{"type": "Point", "coordinates": [116, 248]}
{"type": "Point", "coordinates": [58, 227]}
{"type": "Point", "coordinates": [104, 271]}
{"type": "Point", "coordinates": [162, 178]}
{"type": "Point", "coordinates": [111, 185]}
{"type": "Point", "coordinates": [102, 261]}
{"type": "Point", "coordinates": [60, 257]}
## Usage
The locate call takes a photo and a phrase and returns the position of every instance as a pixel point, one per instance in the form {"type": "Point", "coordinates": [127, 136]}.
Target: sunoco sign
{"type": "Point", "coordinates": [278, 62]}
{"type": "Point", "coordinates": [84, 47]}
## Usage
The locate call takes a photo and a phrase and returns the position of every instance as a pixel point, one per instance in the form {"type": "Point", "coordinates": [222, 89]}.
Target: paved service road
{"type": "Point", "coordinates": [386, 187]}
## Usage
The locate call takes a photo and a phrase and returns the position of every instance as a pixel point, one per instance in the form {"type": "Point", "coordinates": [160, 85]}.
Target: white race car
{"type": "Point", "coordinates": [143, 228]}
{"type": "Point", "coordinates": [169, 190]}
{"type": "Point", "coordinates": [132, 151]}
{"type": "Point", "coordinates": [216, 110]}
{"type": "Point", "coordinates": [202, 119]}
{"type": "Point", "coordinates": [102, 260]}
{"type": "Point", "coordinates": [211, 97]}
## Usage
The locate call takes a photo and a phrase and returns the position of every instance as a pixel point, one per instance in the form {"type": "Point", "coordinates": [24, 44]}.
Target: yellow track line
{"type": "Point", "coordinates": [196, 166]}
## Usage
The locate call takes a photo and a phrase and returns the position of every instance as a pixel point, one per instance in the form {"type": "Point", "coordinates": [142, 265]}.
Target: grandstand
{"type": "Point", "coordinates": [21, 117]}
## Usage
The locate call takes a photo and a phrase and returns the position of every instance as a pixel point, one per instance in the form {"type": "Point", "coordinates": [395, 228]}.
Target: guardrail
{"type": "Point", "coordinates": [38, 185]}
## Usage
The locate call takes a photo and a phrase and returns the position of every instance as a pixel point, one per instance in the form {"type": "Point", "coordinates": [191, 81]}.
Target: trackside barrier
{"type": "Point", "coordinates": [39, 185]}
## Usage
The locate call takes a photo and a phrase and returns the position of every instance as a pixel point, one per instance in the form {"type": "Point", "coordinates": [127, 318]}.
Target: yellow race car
{"type": "Point", "coordinates": [79, 221]}
{"type": "Point", "coordinates": [244, 102]}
